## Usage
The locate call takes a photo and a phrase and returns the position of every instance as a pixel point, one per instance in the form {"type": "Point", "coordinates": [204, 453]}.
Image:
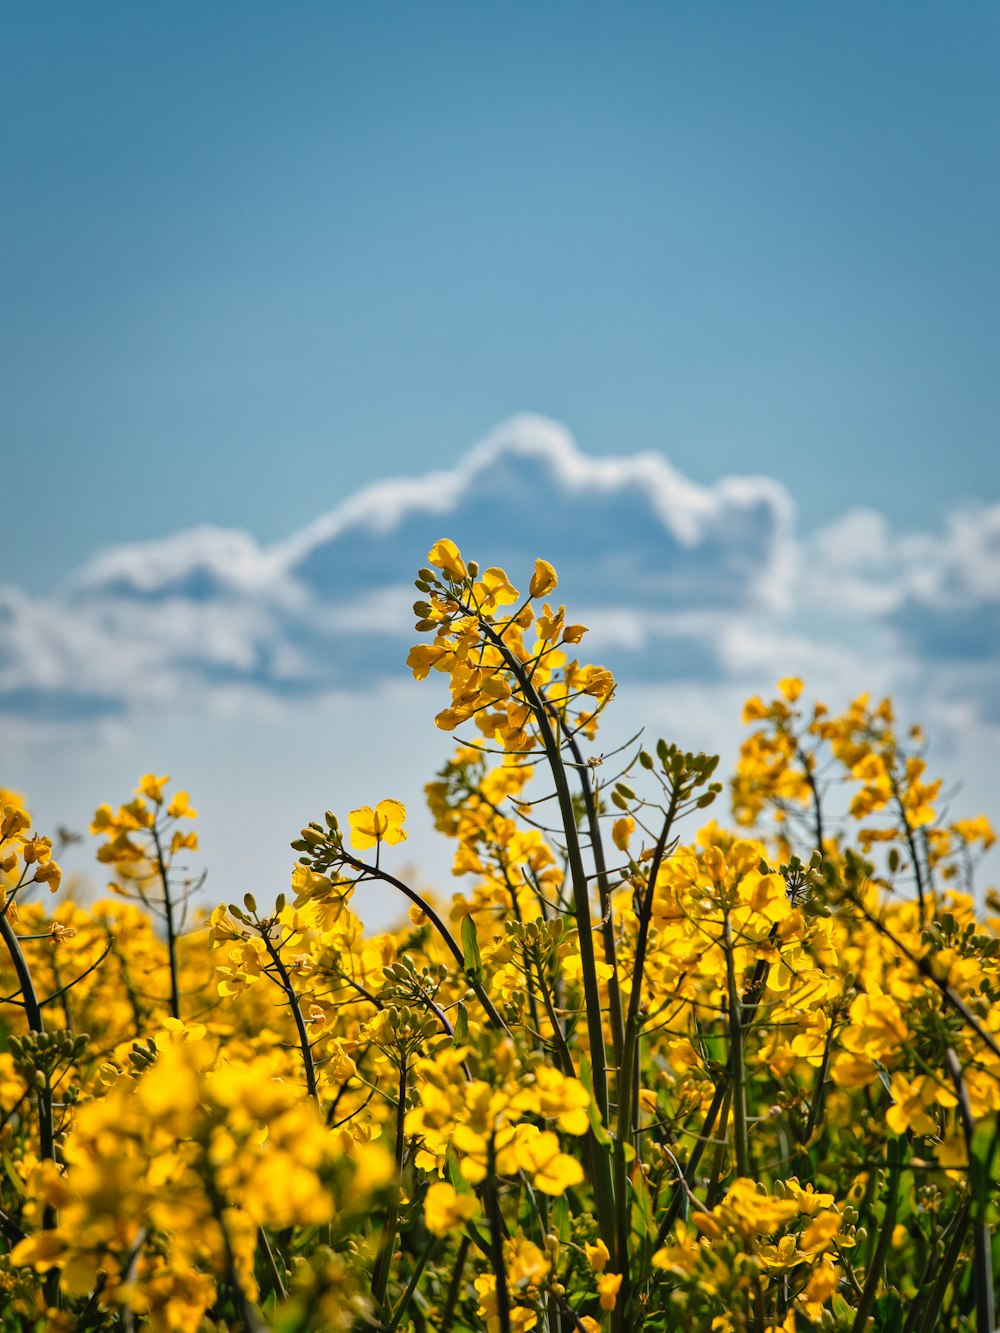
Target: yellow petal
{"type": "Point", "coordinates": [445, 555]}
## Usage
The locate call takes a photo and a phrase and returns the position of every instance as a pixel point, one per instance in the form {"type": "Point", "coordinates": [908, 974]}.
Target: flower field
{"type": "Point", "coordinates": [681, 1054]}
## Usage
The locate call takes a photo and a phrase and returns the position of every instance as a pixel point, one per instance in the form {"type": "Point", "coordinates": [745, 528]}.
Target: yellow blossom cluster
{"type": "Point", "coordinates": [640, 1070]}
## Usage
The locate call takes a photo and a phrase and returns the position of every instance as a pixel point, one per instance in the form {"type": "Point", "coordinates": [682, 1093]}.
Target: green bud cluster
{"type": "Point", "coordinates": [321, 846]}
{"type": "Point", "coordinates": [143, 1054]}
{"type": "Point", "coordinates": [405, 1030]}
{"type": "Point", "coordinates": [540, 936]}
{"type": "Point", "coordinates": [41, 1053]}
{"type": "Point", "coordinates": [404, 982]}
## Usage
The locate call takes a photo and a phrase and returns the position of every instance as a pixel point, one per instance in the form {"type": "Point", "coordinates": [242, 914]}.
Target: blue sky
{"type": "Point", "coordinates": [255, 255]}
{"type": "Point", "coordinates": [256, 258]}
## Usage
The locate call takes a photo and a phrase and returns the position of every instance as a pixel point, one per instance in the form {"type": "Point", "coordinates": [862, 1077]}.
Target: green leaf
{"type": "Point", "coordinates": [888, 1314]}
{"type": "Point", "coordinates": [472, 959]}
{"type": "Point", "coordinates": [643, 1224]}
{"type": "Point", "coordinates": [461, 1025]}
{"type": "Point", "coordinates": [13, 1177]}
{"type": "Point", "coordinates": [562, 1218]}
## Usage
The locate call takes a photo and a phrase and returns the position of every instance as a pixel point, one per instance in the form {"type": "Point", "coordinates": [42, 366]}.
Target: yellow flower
{"type": "Point", "coordinates": [152, 787]}
{"type": "Point", "coordinates": [877, 1026]}
{"type": "Point", "coordinates": [607, 1288]}
{"type": "Point", "coordinates": [444, 555]}
{"type": "Point", "coordinates": [597, 1255]}
{"type": "Point", "coordinates": [976, 830]}
{"type": "Point", "coordinates": [754, 710]}
{"type": "Point", "coordinates": [556, 1097]}
{"type": "Point", "coordinates": [526, 1263]}
{"type": "Point", "coordinates": [495, 589]}
{"type": "Point", "coordinates": [544, 579]}
{"type": "Point", "coordinates": [423, 656]}
{"type": "Point", "coordinates": [822, 1284]}
{"type": "Point", "coordinates": [552, 1171]}
{"type": "Point", "coordinates": [383, 824]}
{"type": "Point", "coordinates": [445, 1209]}
{"type": "Point", "coordinates": [790, 687]}
{"type": "Point", "coordinates": [787, 1325]}
{"type": "Point", "coordinates": [180, 807]}
{"type": "Point", "coordinates": [621, 832]}
{"type": "Point", "coordinates": [49, 874]}
{"type": "Point", "coordinates": [911, 1105]}
{"type": "Point", "coordinates": [14, 819]}
{"type": "Point", "coordinates": [41, 1252]}
{"type": "Point", "coordinates": [820, 1232]}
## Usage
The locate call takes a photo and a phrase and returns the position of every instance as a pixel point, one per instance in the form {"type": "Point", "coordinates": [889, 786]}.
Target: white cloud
{"type": "Point", "coordinates": [652, 557]}
{"type": "Point", "coordinates": [678, 581]}
{"type": "Point", "coordinates": [201, 563]}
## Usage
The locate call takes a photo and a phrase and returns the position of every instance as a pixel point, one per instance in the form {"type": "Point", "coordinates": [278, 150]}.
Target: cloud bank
{"type": "Point", "coordinates": [679, 582]}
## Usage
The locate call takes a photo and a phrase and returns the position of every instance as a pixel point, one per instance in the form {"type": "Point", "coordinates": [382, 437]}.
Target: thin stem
{"type": "Point", "coordinates": [496, 1238]}
{"type": "Point", "coordinates": [377, 872]}
{"type": "Point", "coordinates": [718, 1170]}
{"type": "Point", "coordinates": [935, 1298]}
{"type": "Point", "coordinates": [411, 1286]}
{"type": "Point", "coordinates": [807, 768]}
{"type": "Point", "coordinates": [380, 1275]}
{"type": "Point", "coordinates": [874, 1274]}
{"type": "Point", "coordinates": [264, 1245]}
{"type": "Point", "coordinates": [979, 1184]}
{"type": "Point", "coordinates": [627, 1111]}
{"type": "Point", "coordinates": [561, 1049]}
{"type": "Point", "coordinates": [701, 1142]}
{"type": "Point", "coordinates": [63, 990]}
{"type": "Point", "coordinates": [305, 1045]}
{"type": "Point", "coordinates": [816, 1103]}
{"type": "Point", "coordinates": [628, 1100]}
{"type": "Point", "coordinates": [33, 1013]}
{"type": "Point", "coordinates": [578, 874]}
{"type": "Point", "coordinates": [168, 912]}
{"type": "Point", "coordinates": [739, 1104]}
{"type": "Point", "coordinates": [455, 1286]}
{"type": "Point", "coordinates": [607, 923]}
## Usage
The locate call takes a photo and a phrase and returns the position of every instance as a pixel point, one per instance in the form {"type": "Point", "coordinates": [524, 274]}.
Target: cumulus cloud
{"type": "Point", "coordinates": [679, 582]}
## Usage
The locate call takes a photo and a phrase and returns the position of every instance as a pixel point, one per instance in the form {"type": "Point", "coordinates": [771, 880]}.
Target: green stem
{"type": "Point", "coordinates": [686, 1181]}
{"type": "Point", "coordinates": [718, 1172]}
{"type": "Point", "coordinates": [496, 1238]}
{"type": "Point", "coordinates": [377, 872]}
{"type": "Point", "coordinates": [578, 873]}
{"type": "Point", "coordinates": [603, 1181]}
{"type": "Point", "coordinates": [411, 1286]}
{"type": "Point", "coordinates": [168, 912]}
{"type": "Point", "coordinates": [627, 1107]}
{"type": "Point", "coordinates": [816, 1103]}
{"type": "Point", "coordinates": [380, 1275]}
{"type": "Point", "coordinates": [604, 892]}
{"type": "Point", "coordinates": [979, 1184]}
{"type": "Point", "coordinates": [874, 1274]}
{"type": "Point", "coordinates": [929, 1320]}
{"type": "Point", "coordinates": [807, 768]}
{"type": "Point", "coordinates": [561, 1050]}
{"type": "Point", "coordinates": [264, 1245]}
{"type": "Point", "coordinates": [455, 1286]}
{"type": "Point", "coordinates": [739, 1103]}
{"type": "Point", "coordinates": [305, 1045]}
{"type": "Point", "coordinates": [33, 1013]}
